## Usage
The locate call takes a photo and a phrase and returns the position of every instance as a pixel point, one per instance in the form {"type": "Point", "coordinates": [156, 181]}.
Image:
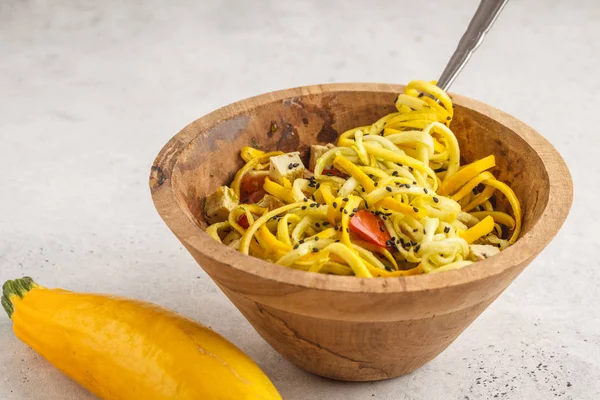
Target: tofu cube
{"type": "Point", "coordinates": [287, 166]}
{"type": "Point", "coordinates": [316, 151]}
{"type": "Point", "coordinates": [482, 251]}
{"type": "Point", "coordinates": [307, 174]}
{"type": "Point", "coordinates": [270, 202]}
{"type": "Point", "coordinates": [219, 204]}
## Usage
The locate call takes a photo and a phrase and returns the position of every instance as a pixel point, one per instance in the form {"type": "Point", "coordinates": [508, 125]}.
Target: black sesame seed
{"type": "Point", "coordinates": [355, 210]}
{"type": "Point", "coordinates": [317, 225]}
{"type": "Point", "coordinates": [315, 249]}
{"type": "Point", "coordinates": [417, 248]}
{"type": "Point", "coordinates": [414, 182]}
{"type": "Point", "coordinates": [325, 223]}
{"type": "Point", "coordinates": [425, 190]}
{"type": "Point", "coordinates": [407, 186]}
{"type": "Point", "coordinates": [416, 230]}
{"type": "Point", "coordinates": [318, 186]}
{"type": "Point", "coordinates": [334, 204]}
{"type": "Point", "coordinates": [345, 199]}
{"type": "Point", "coordinates": [413, 243]}
{"type": "Point", "coordinates": [436, 199]}
{"type": "Point", "coordinates": [329, 174]}
{"type": "Point", "coordinates": [381, 228]}
{"type": "Point", "coordinates": [295, 165]}
{"type": "Point", "coordinates": [448, 118]}
{"type": "Point", "coordinates": [362, 189]}
{"type": "Point", "coordinates": [447, 229]}
{"type": "Point", "coordinates": [389, 189]}
{"type": "Point", "coordinates": [304, 207]}
{"type": "Point", "coordinates": [316, 238]}
{"type": "Point", "coordinates": [345, 211]}
{"type": "Point", "coordinates": [415, 209]}
{"type": "Point", "coordinates": [301, 241]}
{"type": "Point", "coordinates": [296, 246]}
{"type": "Point", "coordinates": [348, 230]}
{"type": "Point", "coordinates": [313, 205]}
{"type": "Point", "coordinates": [290, 166]}
{"type": "Point", "coordinates": [375, 184]}
{"type": "Point", "coordinates": [388, 268]}
{"type": "Point", "coordinates": [351, 215]}
{"type": "Point", "coordinates": [305, 199]}
{"type": "Point", "coordinates": [420, 95]}
{"type": "Point", "coordinates": [395, 173]}
{"type": "Point", "coordinates": [410, 169]}
{"type": "Point", "coordinates": [424, 232]}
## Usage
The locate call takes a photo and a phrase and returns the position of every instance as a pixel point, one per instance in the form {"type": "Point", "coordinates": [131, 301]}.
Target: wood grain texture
{"type": "Point", "coordinates": [352, 328]}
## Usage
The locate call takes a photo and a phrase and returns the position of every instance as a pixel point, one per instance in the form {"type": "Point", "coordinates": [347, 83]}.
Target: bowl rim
{"type": "Point", "coordinates": [560, 198]}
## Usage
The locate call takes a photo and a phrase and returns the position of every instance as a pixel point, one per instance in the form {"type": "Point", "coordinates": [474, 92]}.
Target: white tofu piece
{"type": "Point", "coordinates": [219, 204]}
{"type": "Point", "coordinates": [307, 174]}
{"type": "Point", "coordinates": [316, 151]}
{"type": "Point", "coordinates": [235, 244]}
{"type": "Point", "coordinates": [270, 202]}
{"type": "Point", "coordinates": [287, 166]}
{"type": "Point", "coordinates": [482, 251]}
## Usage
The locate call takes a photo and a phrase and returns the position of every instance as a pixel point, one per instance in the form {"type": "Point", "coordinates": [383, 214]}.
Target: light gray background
{"type": "Point", "coordinates": [91, 90]}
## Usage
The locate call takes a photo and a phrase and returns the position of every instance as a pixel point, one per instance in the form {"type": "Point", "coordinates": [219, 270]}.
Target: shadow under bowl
{"type": "Point", "coordinates": [351, 328]}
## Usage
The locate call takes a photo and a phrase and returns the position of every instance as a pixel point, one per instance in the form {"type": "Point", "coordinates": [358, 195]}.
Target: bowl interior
{"type": "Point", "coordinates": [212, 158]}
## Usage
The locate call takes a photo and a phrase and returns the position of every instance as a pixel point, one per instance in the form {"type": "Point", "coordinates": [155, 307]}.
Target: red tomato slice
{"type": "Point", "coordinates": [253, 197]}
{"type": "Point", "coordinates": [370, 228]}
{"type": "Point", "coordinates": [251, 188]}
{"type": "Point", "coordinates": [243, 221]}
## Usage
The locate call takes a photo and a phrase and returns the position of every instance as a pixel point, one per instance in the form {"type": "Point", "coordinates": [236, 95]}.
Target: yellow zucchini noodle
{"type": "Point", "coordinates": [435, 214]}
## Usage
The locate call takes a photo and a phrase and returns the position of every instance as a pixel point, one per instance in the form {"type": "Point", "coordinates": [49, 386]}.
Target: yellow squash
{"type": "Point", "coordinates": [121, 349]}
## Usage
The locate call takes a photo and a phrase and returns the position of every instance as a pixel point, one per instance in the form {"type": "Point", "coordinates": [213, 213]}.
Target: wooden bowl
{"type": "Point", "coordinates": [350, 328]}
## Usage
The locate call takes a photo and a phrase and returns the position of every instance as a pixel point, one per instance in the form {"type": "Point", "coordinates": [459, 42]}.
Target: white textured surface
{"type": "Point", "coordinates": [91, 90]}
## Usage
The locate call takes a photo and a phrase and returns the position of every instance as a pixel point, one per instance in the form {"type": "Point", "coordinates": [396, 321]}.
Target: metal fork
{"type": "Point", "coordinates": [480, 24]}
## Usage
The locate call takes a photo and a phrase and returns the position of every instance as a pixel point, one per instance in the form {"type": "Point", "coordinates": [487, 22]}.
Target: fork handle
{"type": "Point", "coordinates": [480, 24]}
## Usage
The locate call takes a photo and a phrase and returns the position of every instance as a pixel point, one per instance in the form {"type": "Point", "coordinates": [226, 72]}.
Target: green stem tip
{"type": "Point", "coordinates": [18, 287]}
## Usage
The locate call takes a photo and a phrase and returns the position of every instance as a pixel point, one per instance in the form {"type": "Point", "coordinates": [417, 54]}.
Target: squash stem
{"type": "Point", "coordinates": [18, 287]}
